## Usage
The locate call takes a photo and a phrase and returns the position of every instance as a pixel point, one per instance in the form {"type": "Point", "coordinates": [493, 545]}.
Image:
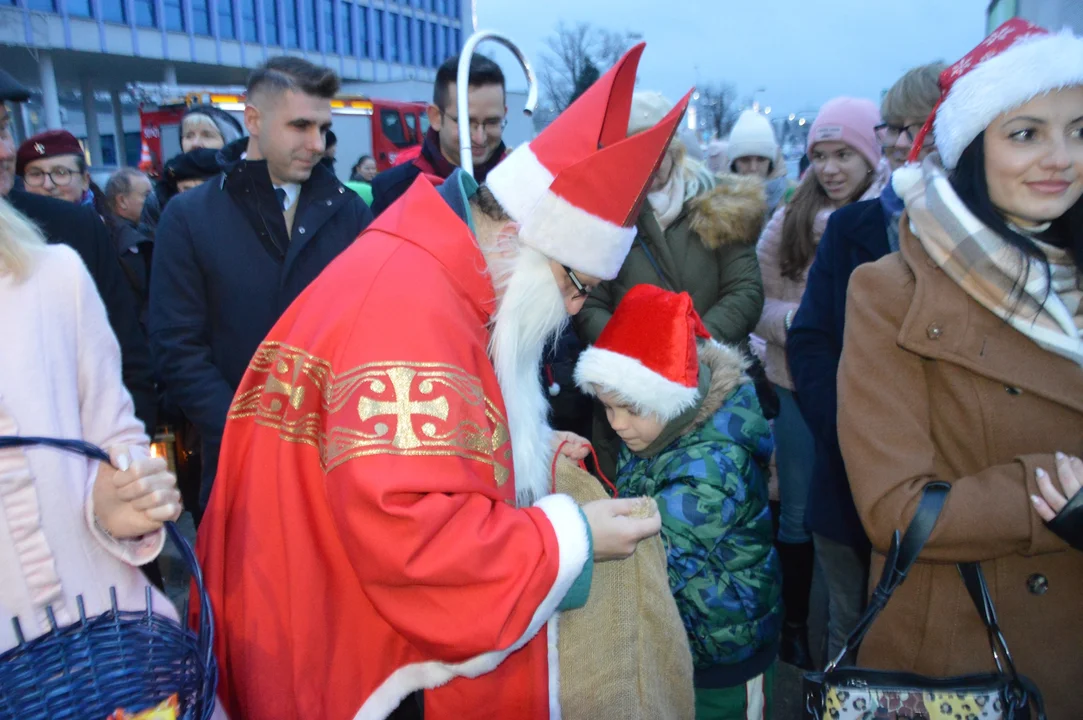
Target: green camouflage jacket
{"type": "Point", "coordinates": [711, 487]}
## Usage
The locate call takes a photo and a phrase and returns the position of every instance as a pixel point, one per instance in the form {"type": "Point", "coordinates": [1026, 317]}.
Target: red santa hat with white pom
{"type": "Point", "coordinates": [576, 189]}
{"type": "Point", "coordinates": [1016, 63]}
{"type": "Point", "coordinates": [647, 355]}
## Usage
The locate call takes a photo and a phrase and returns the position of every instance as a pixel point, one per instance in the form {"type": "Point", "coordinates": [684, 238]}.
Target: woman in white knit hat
{"type": "Point", "coordinates": [696, 233]}
{"type": "Point", "coordinates": [754, 151]}
{"type": "Point", "coordinates": [962, 362]}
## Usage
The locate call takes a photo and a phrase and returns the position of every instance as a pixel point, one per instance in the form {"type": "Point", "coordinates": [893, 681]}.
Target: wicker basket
{"type": "Point", "coordinates": [131, 659]}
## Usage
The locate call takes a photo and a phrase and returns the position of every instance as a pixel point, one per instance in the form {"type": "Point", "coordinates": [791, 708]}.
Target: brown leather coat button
{"type": "Point", "coordinates": [1037, 584]}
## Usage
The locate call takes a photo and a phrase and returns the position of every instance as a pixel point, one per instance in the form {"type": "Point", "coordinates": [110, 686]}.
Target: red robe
{"type": "Point", "coordinates": [362, 539]}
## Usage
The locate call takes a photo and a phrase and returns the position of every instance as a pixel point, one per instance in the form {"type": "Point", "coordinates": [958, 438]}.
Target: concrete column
{"type": "Point", "coordinates": [118, 128]}
{"type": "Point", "coordinates": [90, 112]}
{"type": "Point", "coordinates": [170, 77]}
{"type": "Point", "coordinates": [49, 95]}
{"type": "Point", "coordinates": [22, 123]}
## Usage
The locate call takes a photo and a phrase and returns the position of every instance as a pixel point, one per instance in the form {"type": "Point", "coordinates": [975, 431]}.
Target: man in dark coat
{"type": "Point", "coordinates": [232, 254]}
{"type": "Point", "coordinates": [439, 155]}
{"type": "Point", "coordinates": [80, 228]}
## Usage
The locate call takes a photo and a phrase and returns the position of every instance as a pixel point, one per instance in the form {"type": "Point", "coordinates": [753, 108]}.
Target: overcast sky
{"type": "Point", "coordinates": [803, 52]}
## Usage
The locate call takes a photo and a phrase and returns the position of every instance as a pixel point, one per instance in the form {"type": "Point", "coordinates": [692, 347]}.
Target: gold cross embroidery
{"type": "Point", "coordinates": [401, 407]}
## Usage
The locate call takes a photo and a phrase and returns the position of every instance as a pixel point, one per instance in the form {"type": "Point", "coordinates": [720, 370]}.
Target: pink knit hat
{"type": "Point", "coordinates": [852, 121]}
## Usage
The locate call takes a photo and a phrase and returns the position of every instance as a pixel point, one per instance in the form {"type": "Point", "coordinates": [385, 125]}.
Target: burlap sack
{"type": "Point", "coordinates": [624, 655]}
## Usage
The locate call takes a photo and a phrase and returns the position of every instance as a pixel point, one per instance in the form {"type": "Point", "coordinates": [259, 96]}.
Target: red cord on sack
{"type": "Point", "coordinates": [583, 465]}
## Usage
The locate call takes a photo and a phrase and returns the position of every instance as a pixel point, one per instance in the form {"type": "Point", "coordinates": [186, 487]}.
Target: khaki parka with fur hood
{"type": "Point", "coordinates": [709, 251]}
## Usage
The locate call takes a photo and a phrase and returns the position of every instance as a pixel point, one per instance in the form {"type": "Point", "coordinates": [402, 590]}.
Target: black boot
{"type": "Point", "coordinates": [797, 563]}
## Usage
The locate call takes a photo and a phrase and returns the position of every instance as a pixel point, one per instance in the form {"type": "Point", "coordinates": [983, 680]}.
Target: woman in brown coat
{"type": "Point", "coordinates": [963, 361]}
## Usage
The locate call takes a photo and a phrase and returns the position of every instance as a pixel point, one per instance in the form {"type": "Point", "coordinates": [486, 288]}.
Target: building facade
{"type": "Point", "coordinates": [1051, 14]}
{"type": "Point", "coordinates": [80, 55]}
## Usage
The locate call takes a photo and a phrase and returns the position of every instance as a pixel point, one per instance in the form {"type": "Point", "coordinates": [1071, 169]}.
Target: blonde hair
{"type": "Point", "coordinates": [19, 237]}
{"type": "Point", "coordinates": [913, 95]}
{"type": "Point", "coordinates": [697, 178]}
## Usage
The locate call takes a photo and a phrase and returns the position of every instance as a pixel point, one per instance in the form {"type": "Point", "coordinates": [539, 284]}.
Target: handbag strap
{"type": "Point", "coordinates": [79, 447]}
{"type": "Point", "coordinates": [900, 557]}
{"type": "Point", "coordinates": [654, 263]}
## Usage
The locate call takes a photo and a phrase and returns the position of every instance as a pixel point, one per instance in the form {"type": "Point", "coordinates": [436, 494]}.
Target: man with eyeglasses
{"type": "Point", "coordinates": [858, 233]}
{"type": "Point", "coordinates": [439, 154]}
{"type": "Point", "coordinates": [82, 229]}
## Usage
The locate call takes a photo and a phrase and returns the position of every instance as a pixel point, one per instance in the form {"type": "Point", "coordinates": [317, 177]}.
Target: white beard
{"type": "Point", "coordinates": [530, 312]}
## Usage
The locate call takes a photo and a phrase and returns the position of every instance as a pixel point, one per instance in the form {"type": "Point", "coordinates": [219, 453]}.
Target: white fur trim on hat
{"type": "Point", "coordinates": [553, 226]}
{"type": "Point", "coordinates": [518, 182]}
{"type": "Point", "coordinates": [1031, 67]}
{"type": "Point", "coordinates": [633, 383]}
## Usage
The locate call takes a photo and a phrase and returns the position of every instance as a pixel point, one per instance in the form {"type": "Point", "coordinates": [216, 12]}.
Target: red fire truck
{"type": "Point", "coordinates": [363, 125]}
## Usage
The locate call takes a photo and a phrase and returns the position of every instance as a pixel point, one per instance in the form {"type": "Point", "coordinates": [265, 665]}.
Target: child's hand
{"type": "Point", "coordinates": [575, 448]}
{"type": "Point", "coordinates": [134, 498]}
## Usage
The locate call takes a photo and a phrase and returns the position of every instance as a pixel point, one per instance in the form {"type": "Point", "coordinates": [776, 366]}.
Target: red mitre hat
{"type": "Point", "coordinates": [576, 189]}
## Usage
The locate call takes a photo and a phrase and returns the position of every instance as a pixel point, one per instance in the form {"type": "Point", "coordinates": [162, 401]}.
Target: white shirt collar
{"type": "Point", "coordinates": [292, 191]}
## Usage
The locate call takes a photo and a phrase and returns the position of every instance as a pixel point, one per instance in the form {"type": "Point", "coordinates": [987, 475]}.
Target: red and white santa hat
{"type": "Point", "coordinates": [576, 189]}
{"type": "Point", "coordinates": [1016, 63]}
{"type": "Point", "coordinates": [647, 354]}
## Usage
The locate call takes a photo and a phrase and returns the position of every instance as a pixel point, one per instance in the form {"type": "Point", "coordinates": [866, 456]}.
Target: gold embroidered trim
{"type": "Point", "coordinates": [391, 408]}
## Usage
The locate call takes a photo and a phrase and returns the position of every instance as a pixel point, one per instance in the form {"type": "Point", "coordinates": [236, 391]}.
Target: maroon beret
{"type": "Point", "coordinates": [45, 145]}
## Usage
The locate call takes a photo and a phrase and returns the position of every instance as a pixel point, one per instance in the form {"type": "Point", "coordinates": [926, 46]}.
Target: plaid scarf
{"type": "Point", "coordinates": [989, 270]}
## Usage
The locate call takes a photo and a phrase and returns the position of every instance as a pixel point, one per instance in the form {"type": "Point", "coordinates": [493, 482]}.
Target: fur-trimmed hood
{"type": "Point", "coordinates": [727, 365]}
{"type": "Point", "coordinates": [731, 213]}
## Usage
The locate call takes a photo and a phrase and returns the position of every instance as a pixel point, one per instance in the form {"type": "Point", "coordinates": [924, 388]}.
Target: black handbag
{"type": "Point", "coordinates": [842, 693]}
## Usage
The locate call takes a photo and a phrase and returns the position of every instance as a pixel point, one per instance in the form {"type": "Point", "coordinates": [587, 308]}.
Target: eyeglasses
{"type": "Point", "coordinates": [581, 290]}
{"type": "Point", "coordinates": [59, 176]}
{"type": "Point", "coordinates": [889, 134]}
{"type": "Point", "coordinates": [491, 126]}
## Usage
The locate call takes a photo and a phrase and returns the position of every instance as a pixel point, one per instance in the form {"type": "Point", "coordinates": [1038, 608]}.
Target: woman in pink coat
{"type": "Point", "coordinates": [69, 526]}
{"type": "Point", "coordinates": [847, 165]}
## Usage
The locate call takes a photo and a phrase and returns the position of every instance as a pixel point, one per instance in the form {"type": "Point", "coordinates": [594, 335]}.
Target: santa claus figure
{"type": "Point", "coordinates": [381, 521]}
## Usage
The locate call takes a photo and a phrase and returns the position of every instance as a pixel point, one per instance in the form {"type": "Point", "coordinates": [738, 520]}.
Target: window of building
{"type": "Point", "coordinates": [270, 22]}
{"type": "Point", "coordinates": [310, 9]}
{"type": "Point", "coordinates": [449, 49]}
{"type": "Point", "coordinates": [42, 5]}
{"type": "Point", "coordinates": [393, 40]}
{"type": "Point", "coordinates": [225, 19]}
{"type": "Point", "coordinates": [330, 40]}
{"type": "Point", "coordinates": [249, 21]}
{"type": "Point", "coordinates": [144, 13]}
{"type": "Point", "coordinates": [78, 8]}
{"type": "Point", "coordinates": [174, 15]}
{"type": "Point", "coordinates": [378, 33]}
{"type": "Point", "coordinates": [456, 46]}
{"type": "Point", "coordinates": [363, 22]}
{"type": "Point", "coordinates": [292, 38]}
{"type": "Point", "coordinates": [434, 40]}
{"type": "Point", "coordinates": [423, 42]}
{"type": "Point", "coordinates": [201, 17]}
{"type": "Point", "coordinates": [407, 40]}
{"type": "Point", "coordinates": [348, 9]}
{"type": "Point", "coordinates": [113, 11]}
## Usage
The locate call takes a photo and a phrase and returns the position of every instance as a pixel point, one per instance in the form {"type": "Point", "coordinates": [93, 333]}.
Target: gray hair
{"type": "Point", "coordinates": [120, 183]}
